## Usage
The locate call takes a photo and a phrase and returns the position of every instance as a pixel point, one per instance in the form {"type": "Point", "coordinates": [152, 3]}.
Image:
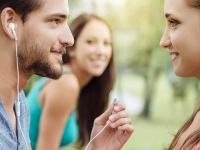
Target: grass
{"type": "Point", "coordinates": [167, 115]}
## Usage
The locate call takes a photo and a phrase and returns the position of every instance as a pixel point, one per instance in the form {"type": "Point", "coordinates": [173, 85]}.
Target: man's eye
{"type": "Point", "coordinates": [55, 21]}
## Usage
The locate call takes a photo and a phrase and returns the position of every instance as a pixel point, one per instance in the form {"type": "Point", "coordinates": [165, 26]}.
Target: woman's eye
{"type": "Point", "coordinates": [173, 23]}
{"type": "Point", "coordinates": [107, 43]}
{"type": "Point", "coordinates": [90, 42]}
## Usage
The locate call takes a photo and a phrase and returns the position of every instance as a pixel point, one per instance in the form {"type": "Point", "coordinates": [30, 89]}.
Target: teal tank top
{"type": "Point", "coordinates": [70, 133]}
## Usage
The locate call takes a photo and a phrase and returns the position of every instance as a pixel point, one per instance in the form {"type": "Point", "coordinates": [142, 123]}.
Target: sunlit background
{"type": "Point", "coordinates": [157, 100]}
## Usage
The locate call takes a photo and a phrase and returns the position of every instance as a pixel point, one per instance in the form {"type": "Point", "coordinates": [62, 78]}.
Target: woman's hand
{"type": "Point", "coordinates": [117, 131]}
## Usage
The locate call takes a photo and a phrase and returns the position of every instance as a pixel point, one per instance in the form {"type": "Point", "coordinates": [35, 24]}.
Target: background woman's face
{"type": "Point", "coordinates": [93, 48]}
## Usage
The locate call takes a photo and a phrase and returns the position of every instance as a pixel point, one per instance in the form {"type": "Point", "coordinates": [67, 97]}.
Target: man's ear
{"type": "Point", "coordinates": [8, 15]}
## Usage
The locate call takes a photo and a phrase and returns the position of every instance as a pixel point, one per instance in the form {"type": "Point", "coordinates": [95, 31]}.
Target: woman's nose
{"type": "Point", "coordinates": [165, 40]}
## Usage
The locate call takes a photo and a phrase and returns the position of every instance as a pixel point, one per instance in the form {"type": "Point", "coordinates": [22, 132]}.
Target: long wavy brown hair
{"type": "Point", "coordinates": [94, 96]}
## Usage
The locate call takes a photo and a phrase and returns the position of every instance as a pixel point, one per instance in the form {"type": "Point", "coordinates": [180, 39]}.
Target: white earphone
{"type": "Point", "coordinates": [11, 26]}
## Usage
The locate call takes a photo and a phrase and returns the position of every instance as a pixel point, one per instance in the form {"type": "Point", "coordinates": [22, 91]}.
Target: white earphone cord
{"type": "Point", "coordinates": [115, 101]}
{"type": "Point", "coordinates": [96, 136]}
{"type": "Point", "coordinates": [18, 102]}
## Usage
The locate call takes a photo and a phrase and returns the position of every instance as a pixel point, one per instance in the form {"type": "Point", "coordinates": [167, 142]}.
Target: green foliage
{"type": "Point", "coordinates": [73, 3]}
{"type": "Point", "coordinates": [138, 48]}
{"type": "Point", "coordinates": [30, 84]}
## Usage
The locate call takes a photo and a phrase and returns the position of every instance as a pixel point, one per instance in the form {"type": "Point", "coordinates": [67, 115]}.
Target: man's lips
{"type": "Point", "coordinates": [61, 50]}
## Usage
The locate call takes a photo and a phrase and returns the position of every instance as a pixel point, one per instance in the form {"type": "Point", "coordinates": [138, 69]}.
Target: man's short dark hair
{"type": "Point", "coordinates": [21, 7]}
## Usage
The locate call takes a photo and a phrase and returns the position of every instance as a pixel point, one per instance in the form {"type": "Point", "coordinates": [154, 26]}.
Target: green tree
{"type": "Point", "coordinates": [142, 24]}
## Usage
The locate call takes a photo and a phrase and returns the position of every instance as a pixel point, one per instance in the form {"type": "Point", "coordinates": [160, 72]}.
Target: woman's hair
{"type": "Point", "coordinates": [21, 7]}
{"type": "Point", "coordinates": [191, 140]}
{"type": "Point", "coordinates": [94, 96]}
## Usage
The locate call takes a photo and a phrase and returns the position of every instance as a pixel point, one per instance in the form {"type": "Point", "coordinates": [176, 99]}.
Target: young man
{"type": "Point", "coordinates": [33, 37]}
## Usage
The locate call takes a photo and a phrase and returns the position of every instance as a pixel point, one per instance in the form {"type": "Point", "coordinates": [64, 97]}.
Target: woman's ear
{"type": "Point", "coordinates": [8, 15]}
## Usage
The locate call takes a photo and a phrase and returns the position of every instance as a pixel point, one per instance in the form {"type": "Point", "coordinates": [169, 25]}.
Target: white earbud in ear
{"type": "Point", "coordinates": [11, 26]}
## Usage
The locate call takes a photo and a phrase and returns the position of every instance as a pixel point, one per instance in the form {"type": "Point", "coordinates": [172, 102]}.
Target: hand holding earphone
{"type": "Point", "coordinates": [115, 101]}
{"type": "Point", "coordinates": [112, 129]}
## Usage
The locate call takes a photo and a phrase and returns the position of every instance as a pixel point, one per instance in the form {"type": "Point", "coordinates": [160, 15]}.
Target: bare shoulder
{"type": "Point", "coordinates": [67, 82]}
{"type": "Point", "coordinates": [63, 92]}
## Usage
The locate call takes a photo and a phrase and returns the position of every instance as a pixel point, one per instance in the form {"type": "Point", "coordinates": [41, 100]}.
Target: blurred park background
{"type": "Point", "coordinates": [157, 100]}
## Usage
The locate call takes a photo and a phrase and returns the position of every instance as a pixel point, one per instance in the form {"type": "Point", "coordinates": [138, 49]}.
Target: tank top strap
{"type": "Point", "coordinates": [66, 71]}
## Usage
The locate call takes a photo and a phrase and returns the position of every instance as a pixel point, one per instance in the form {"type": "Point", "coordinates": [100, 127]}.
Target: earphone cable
{"type": "Point", "coordinates": [96, 135]}
{"type": "Point", "coordinates": [18, 102]}
{"type": "Point", "coordinates": [115, 101]}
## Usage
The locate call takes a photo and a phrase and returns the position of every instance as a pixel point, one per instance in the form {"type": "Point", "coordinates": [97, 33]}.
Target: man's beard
{"type": "Point", "coordinates": [33, 57]}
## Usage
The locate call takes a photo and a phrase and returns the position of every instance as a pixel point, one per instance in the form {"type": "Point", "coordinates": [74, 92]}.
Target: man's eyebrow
{"type": "Point", "coordinates": [61, 15]}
